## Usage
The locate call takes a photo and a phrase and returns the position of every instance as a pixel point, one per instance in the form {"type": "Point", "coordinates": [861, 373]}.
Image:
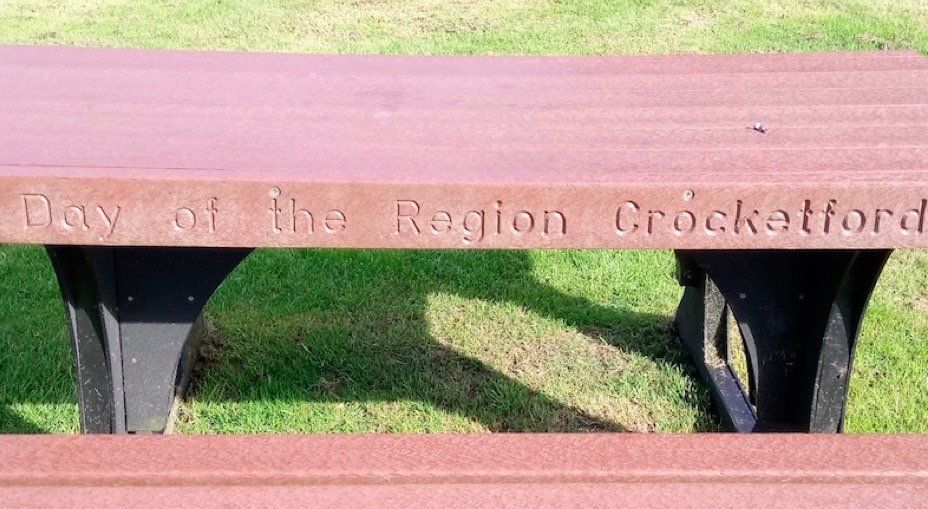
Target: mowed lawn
{"type": "Point", "coordinates": [362, 341]}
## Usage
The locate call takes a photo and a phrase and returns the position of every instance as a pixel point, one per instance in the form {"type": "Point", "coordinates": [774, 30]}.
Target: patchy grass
{"type": "Point", "coordinates": [472, 27]}
{"type": "Point", "coordinates": [432, 341]}
{"type": "Point", "coordinates": [357, 341]}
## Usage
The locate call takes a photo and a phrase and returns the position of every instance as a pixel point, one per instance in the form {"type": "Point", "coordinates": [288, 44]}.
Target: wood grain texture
{"type": "Point", "coordinates": [609, 470]}
{"type": "Point", "coordinates": [126, 147]}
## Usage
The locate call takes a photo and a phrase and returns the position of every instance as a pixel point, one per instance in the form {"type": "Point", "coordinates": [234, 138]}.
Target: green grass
{"type": "Point", "coordinates": [357, 341]}
{"type": "Point", "coordinates": [455, 26]}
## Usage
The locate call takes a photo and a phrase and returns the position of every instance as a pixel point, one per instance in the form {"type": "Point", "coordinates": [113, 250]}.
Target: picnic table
{"type": "Point", "coordinates": [781, 181]}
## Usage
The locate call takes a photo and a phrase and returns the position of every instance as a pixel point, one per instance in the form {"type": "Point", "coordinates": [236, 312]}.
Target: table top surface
{"type": "Point", "coordinates": [132, 147]}
{"type": "Point", "coordinates": [558, 120]}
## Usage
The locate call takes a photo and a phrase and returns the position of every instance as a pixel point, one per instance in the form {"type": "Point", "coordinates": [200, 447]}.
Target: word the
{"type": "Point", "coordinates": [288, 217]}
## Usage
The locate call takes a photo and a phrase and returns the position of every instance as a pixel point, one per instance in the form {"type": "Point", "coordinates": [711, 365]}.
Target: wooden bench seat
{"type": "Point", "coordinates": [498, 470]}
{"type": "Point", "coordinates": [197, 149]}
{"type": "Point", "coordinates": [782, 181]}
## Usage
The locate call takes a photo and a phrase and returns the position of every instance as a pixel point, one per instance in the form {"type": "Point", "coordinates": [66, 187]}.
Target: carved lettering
{"type": "Point", "coordinates": [211, 210]}
{"type": "Point", "coordinates": [807, 214]}
{"type": "Point", "coordinates": [40, 212]}
{"type": "Point", "coordinates": [74, 217]}
{"type": "Point", "coordinates": [652, 214]}
{"type": "Point", "coordinates": [684, 222]}
{"type": "Point", "coordinates": [629, 225]}
{"type": "Point", "coordinates": [916, 216]}
{"type": "Point", "coordinates": [878, 219]}
{"type": "Point", "coordinates": [745, 220]}
{"type": "Point", "coordinates": [823, 218]}
{"type": "Point", "coordinates": [476, 225]}
{"type": "Point", "coordinates": [777, 222]}
{"type": "Point", "coordinates": [550, 217]}
{"type": "Point", "coordinates": [492, 223]}
{"type": "Point", "coordinates": [184, 219]}
{"type": "Point", "coordinates": [473, 226]}
{"type": "Point", "coordinates": [523, 222]}
{"type": "Point", "coordinates": [497, 207]}
{"type": "Point", "coordinates": [187, 219]}
{"type": "Point", "coordinates": [406, 212]}
{"type": "Point", "coordinates": [715, 222]}
{"type": "Point", "coordinates": [829, 212]}
{"type": "Point", "coordinates": [109, 220]}
{"type": "Point", "coordinates": [441, 222]}
{"type": "Point", "coordinates": [275, 211]}
{"type": "Point", "coordinates": [292, 217]}
{"type": "Point", "coordinates": [335, 221]}
{"type": "Point", "coordinates": [854, 221]}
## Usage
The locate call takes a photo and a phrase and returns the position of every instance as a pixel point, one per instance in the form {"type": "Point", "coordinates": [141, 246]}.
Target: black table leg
{"type": "Point", "coordinates": [131, 313]}
{"type": "Point", "coordinates": [799, 313]}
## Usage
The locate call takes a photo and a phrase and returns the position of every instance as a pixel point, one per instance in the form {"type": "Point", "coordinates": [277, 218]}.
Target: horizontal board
{"type": "Point", "coordinates": [499, 470]}
{"type": "Point", "coordinates": [218, 213]}
{"type": "Point", "coordinates": [128, 147]}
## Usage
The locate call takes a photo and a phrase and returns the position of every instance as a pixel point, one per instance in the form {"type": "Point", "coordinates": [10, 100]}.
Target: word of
{"type": "Point", "coordinates": [186, 219]}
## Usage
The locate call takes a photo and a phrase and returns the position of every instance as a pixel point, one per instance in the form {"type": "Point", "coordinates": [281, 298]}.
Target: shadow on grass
{"type": "Point", "coordinates": [11, 422]}
{"type": "Point", "coordinates": [347, 326]}
{"type": "Point", "coordinates": [352, 326]}
{"type": "Point", "coordinates": [35, 351]}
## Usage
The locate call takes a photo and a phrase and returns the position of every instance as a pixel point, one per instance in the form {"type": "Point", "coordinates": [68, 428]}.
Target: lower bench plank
{"type": "Point", "coordinates": [466, 470]}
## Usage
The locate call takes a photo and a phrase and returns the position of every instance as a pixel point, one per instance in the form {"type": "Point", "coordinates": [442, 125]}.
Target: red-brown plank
{"type": "Point", "coordinates": [153, 134]}
{"type": "Point", "coordinates": [468, 470]}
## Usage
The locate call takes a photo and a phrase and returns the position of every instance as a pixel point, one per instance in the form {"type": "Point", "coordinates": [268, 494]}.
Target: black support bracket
{"type": "Point", "coordinates": [799, 314]}
{"type": "Point", "coordinates": [132, 314]}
